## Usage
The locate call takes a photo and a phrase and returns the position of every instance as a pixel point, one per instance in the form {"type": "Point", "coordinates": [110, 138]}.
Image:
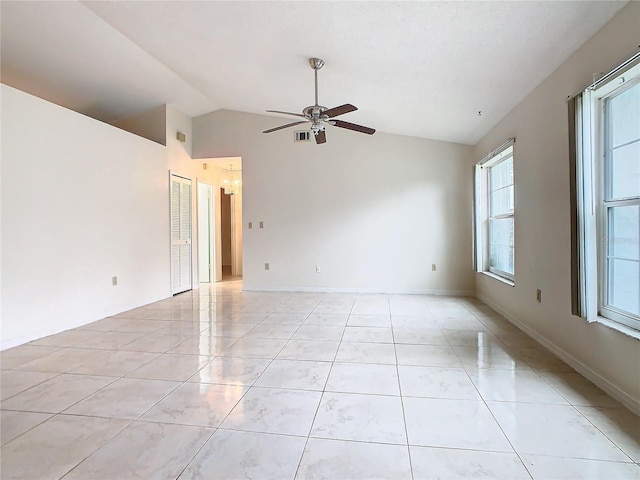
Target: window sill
{"type": "Point", "coordinates": [628, 331]}
{"type": "Point", "coordinates": [499, 278]}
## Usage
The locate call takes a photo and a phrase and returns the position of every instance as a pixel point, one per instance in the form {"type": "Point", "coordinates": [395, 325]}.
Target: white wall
{"type": "Point", "coordinates": [81, 202]}
{"type": "Point", "coordinates": [542, 225]}
{"type": "Point", "coordinates": [374, 212]}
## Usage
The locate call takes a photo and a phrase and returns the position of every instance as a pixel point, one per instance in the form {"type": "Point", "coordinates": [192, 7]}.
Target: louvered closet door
{"type": "Point", "coordinates": [180, 234]}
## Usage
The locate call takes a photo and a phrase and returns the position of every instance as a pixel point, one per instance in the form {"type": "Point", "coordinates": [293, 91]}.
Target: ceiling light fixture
{"type": "Point", "coordinates": [232, 181]}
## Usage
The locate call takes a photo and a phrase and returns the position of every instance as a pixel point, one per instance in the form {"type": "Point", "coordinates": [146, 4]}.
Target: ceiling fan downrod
{"type": "Point", "coordinates": [316, 64]}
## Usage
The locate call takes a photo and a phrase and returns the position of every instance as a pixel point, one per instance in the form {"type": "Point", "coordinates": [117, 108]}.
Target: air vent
{"type": "Point", "coordinates": [302, 136]}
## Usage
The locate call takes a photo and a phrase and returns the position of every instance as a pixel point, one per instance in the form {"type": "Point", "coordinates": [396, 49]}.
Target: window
{"type": "Point", "coordinates": [495, 207]}
{"type": "Point", "coordinates": [607, 154]}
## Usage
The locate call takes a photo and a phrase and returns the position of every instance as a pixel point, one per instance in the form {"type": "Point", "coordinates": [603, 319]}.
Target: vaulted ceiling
{"type": "Point", "coordinates": [423, 69]}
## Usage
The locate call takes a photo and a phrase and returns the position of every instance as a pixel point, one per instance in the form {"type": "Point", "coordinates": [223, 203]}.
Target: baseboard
{"type": "Point", "coordinates": [450, 293]}
{"type": "Point", "coordinates": [629, 401]}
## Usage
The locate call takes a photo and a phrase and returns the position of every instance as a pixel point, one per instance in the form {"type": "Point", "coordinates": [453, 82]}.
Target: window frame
{"type": "Point", "coordinates": [605, 202]}
{"type": "Point", "coordinates": [482, 212]}
{"type": "Point", "coordinates": [592, 170]}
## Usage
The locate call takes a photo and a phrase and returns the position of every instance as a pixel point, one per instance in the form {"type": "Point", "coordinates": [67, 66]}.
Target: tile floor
{"type": "Point", "coordinates": [220, 383]}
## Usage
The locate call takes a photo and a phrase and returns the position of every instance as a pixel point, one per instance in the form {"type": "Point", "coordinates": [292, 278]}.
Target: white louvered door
{"type": "Point", "coordinates": [180, 234]}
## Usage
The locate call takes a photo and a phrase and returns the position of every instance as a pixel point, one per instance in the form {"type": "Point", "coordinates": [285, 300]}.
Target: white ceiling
{"type": "Point", "coordinates": [423, 69]}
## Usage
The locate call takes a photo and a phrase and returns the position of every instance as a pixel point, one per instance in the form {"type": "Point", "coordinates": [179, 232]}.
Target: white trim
{"type": "Point", "coordinates": [499, 278]}
{"type": "Point", "coordinates": [616, 392]}
{"type": "Point", "coordinates": [451, 293]}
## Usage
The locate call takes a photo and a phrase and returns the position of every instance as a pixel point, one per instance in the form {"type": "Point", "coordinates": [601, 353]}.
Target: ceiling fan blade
{"type": "Point", "coordinates": [354, 127]}
{"type": "Point", "coordinates": [341, 110]}
{"type": "Point", "coordinates": [287, 113]}
{"type": "Point", "coordinates": [284, 126]}
{"type": "Point", "coordinates": [321, 137]}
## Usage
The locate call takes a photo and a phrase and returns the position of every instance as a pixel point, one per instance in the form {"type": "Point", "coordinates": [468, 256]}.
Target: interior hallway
{"type": "Point", "coordinates": [221, 383]}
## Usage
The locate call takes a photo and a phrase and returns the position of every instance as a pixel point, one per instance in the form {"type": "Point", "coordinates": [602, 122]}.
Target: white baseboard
{"type": "Point", "coordinates": [451, 293]}
{"type": "Point", "coordinates": [629, 401]}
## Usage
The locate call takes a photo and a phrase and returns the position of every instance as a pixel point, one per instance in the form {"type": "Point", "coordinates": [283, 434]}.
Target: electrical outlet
{"type": "Point", "coordinates": [261, 224]}
{"type": "Point", "coordinates": [539, 295]}
{"type": "Point", "coordinates": [250, 225]}
{"type": "Point", "coordinates": [266, 266]}
{"type": "Point", "coordinates": [114, 281]}
{"type": "Point", "coordinates": [317, 268]}
{"type": "Point", "coordinates": [433, 267]}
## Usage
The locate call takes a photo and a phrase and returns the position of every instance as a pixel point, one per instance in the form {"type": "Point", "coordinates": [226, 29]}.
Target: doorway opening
{"type": "Point", "coordinates": [231, 235]}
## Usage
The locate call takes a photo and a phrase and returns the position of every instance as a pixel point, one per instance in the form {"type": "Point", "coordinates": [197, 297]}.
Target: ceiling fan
{"type": "Point", "coordinates": [320, 116]}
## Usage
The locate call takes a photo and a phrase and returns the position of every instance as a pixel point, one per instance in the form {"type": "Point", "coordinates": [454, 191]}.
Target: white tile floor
{"type": "Point", "coordinates": [220, 383]}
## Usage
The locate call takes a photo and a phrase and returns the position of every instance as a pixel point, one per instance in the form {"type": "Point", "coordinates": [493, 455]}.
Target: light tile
{"type": "Point", "coordinates": [492, 356]}
{"type": "Point", "coordinates": [284, 319]}
{"type": "Point", "coordinates": [514, 386]}
{"type": "Point", "coordinates": [327, 319]}
{"type": "Point", "coordinates": [272, 331]}
{"type": "Point", "coordinates": [200, 404]}
{"type": "Point", "coordinates": [367, 418]}
{"type": "Point", "coordinates": [426, 355]}
{"type": "Point", "coordinates": [471, 338]}
{"type": "Point", "coordinates": [270, 410]}
{"type": "Point", "coordinates": [204, 345]}
{"type": "Point", "coordinates": [382, 321]}
{"type": "Point", "coordinates": [166, 451]}
{"type": "Point", "coordinates": [171, 367]}
{"type": "Point", "coordinates": [145, 326]}
{"type": "Point", "coordinates": [246, 317]}
{"type": "Point", "coordinates": [460, 323]}
{"type": "Point", "coordinates": [13, 382]}
{"type": "Point", "coordinates": [436, 382]}
{"type": "Point", "coordinates": [334, 309]}
{"type": "Point", "coordinates": [111, 340]}
{"type": "Point", "coordinates": [322, 351]}
{"type": "Point", "coordinates": [227, 329]}
{"type": "Point", "coordinates": [557, 430]}
{"type": "Point", "coordinates": [295, 374]}
{"type": "Point", "coordinates": [558, 468]}
{"type": "Point", "coordinates": [315, 332]}
{"type": "Point", "coordinates": [578, 390]}
{"type": "Point", "coordinates": [445, 463]}
{"type": "Point", "coordinates": [467, 424]}
{"type": "Point", "coordinates": [231, 371]}
{"type": "Point", "coordinates": [13, 424]}
{"type": "Point", "coordinates": [110, 362]}
{"type": "Point", "coordinates": [235, 455]}
{"type": "Point", "coordinates": [255, 347]}
{"type": "Point", "coordinates": [25, 354]}
{"type": "Point", "coordinates": [541, 359]}
{"type": "Point", "coordinates": [419, 336]}
{"type": "Point", "coordinates": [620, 425]}
{"type": "Point", "coordinates": [363, 378]}
{"type": "Point", "coordinates": [413, 321]}
{"type": "Point", "coordinates": [66, 339]}
{"type": "Point", "coordinates": [156, 342]}
{"type": "Point", "coordinates": [126, 398]}
{"type": "Point", "coordinates": [60, 442]}
{"type": "Point", "coordinates": [367, 334]}
{"type": "Point", "coordinates": [361, 352]}
{"type": "Point", "coordinates": [329, 459]}
{"type": "Point", "coordinates": [56, 394]}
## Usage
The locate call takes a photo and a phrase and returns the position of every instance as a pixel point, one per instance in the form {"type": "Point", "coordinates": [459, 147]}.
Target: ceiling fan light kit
{"type": "Point", "coordinates": [320, 116]}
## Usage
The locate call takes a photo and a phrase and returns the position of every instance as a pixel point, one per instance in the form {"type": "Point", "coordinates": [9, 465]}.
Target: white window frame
{"type": "Point", "coordinates": [592, 202]}
{"type": "Point", "coordinates": [482, 212]}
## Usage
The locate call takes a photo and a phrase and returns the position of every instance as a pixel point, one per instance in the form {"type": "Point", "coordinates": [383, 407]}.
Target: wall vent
{"type": "Point", "coordinates": [302, 136]}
